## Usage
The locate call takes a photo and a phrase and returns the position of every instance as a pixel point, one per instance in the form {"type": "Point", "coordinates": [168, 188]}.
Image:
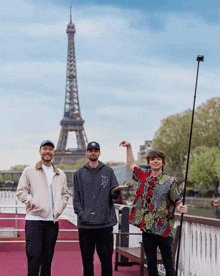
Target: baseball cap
{"type": "Point", "coordinates": [47, 142]}
{"type": "Point", "coordinates": [93, 145]}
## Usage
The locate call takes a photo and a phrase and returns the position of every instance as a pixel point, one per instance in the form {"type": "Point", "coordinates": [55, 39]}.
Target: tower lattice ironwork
{"type": "Point", "coordinates": [72, 120]}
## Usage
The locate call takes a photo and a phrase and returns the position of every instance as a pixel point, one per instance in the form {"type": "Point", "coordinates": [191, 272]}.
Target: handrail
{"type": "Point", "coordinates": [199, 220]}
{"type": "Point", "coordinates": [17, 241]}
{"type": "Point", "coordinates": [14, 229]}
{"type": "Point", "coordinates": [24, 218]}
{"type": "Point", "coordinates": [188, 218]}
{"type": "Point", "coordinates": [21, 206]}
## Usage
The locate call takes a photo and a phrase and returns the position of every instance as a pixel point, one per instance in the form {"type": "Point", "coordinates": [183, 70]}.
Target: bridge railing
{"type": "Point", "coordinates": [9, 204]}
{"type": "Point", "coordinates": [200, 244]}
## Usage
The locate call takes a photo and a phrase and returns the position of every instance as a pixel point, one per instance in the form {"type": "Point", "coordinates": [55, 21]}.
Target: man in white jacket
{"type": "Point", "coordinates": [44, 191]}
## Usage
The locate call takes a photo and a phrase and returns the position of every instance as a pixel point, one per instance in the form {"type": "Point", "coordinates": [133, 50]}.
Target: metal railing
{"type": "Point", "coordinates": [200, 246]}
{"type": "Point", "coordinates": [9, 205]}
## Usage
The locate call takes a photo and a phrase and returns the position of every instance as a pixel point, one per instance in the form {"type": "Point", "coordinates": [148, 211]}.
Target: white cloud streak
{"type": "Point", "coordinates": [131, 74]}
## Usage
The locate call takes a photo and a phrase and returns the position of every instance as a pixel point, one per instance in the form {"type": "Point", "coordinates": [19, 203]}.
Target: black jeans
{"type": "Point", "coordinates": [41, 238]}
{"type": "Point", "coordinates": [102, 239]}
{"type": "Point", "coordinates": [151, 242]}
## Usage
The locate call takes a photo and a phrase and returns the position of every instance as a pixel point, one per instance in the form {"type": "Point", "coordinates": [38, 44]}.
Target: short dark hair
{"type": "Point", "coordinates": [154, 154]}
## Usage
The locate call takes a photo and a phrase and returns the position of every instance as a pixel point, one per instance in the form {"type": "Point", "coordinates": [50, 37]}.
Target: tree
{"type": "Point", "coordinates": [205, 169]}
{"type": "Point", "coordinates": [172, 139]}
{"type": "Point", "coordinates": [173, 135]}
{"type": "Point", "coordinates": [206, 124]}
{"type": "Point", "coordinates": [82, 162]}
{"type": "Point", "coordinates": [193, 156]}
{"type": "Point", "coordinates": [18, 168]}
{"type": "Point", "coordinates": [76, 166]}
{"type": "Point", "coordinates": [114, 164]}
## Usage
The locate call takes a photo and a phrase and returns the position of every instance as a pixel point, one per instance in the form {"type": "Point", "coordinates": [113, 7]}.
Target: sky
{"type": "Point", "coordinates": [136, 65]}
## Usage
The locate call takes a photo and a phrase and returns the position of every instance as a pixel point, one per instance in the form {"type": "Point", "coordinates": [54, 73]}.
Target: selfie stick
{"type": "Point", "coordinates": [199, 58]}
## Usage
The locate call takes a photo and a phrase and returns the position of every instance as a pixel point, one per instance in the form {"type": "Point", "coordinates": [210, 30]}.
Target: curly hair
{"type": "Point", "coordinates": [155, 154]}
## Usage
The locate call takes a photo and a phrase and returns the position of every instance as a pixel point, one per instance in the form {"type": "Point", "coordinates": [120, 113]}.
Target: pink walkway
{"type": "Point", "coordinates": [64, 263]}
{"type": "Point", "coordinates": [67, 257]}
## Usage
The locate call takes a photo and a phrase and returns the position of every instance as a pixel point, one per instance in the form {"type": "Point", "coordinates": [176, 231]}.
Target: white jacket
{"type": "Point", "coordinates": [33, 191]}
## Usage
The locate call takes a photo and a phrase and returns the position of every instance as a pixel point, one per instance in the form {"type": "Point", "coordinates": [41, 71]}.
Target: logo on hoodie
{"type": "Point", "coordinates": [104, 180]}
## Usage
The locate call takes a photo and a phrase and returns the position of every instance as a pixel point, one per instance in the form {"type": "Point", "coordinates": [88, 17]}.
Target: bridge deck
{"type": "Point", "coordinates": [14, 263]}
{"type": "Point", "coordinates": [67, 256]}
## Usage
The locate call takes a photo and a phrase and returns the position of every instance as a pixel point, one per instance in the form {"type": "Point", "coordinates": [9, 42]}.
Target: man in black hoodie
{"type": "Point", "coordinates": [95, 185]}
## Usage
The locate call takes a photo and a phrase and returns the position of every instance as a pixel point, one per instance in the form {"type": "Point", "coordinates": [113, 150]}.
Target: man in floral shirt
{"type": "Point", "coordinates": [154, 205]}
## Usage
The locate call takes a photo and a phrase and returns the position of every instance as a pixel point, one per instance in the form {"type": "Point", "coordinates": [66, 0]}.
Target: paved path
{"type": "Point", "coordinates": [68, 263]}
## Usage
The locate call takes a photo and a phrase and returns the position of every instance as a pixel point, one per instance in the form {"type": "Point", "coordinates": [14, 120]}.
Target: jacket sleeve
{"type": "Point", "coordinates": [76, 197]}
{"type": "Point", "coordinates": [114, 183]}
{"type": "Point", "coordinates": [23, 190]}
{"type": "Point", "coordinates": [65, 193]}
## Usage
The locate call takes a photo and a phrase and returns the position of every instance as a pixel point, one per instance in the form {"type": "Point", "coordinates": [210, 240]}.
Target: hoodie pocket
{"type": "Point", "coordinates": [90, 216]}
{"type": "Point", "coordinates": [86, 216]}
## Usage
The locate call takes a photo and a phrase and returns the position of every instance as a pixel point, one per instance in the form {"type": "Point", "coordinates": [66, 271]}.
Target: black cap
{"type": "Point", "coordinates": [93, 145]}
{"type": "Point", "coordinates": [47, 142]}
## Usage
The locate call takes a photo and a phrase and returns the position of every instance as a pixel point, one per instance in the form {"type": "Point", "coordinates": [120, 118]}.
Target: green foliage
{"type": "Point", "coordinates": [206, 124]}
{"type": "Point", "coordinates": [205, 169]}
{"type": "Point", "coordinates": [14, 177]}
{"type": "Point", "coordinates": [65, 166]}
{"type": "Point", "coordinates": [173, 135]}
{"type": "Point", "coordinates": [172, 139]}
{"type": "Point", "coordinates": [190, 191]}
{"type": "Point", "coordinates": [141, 161]}
{"type": "Point", "coordinates": [80, 163]}
{"type": "Point", "coordinates": [114, 164]}
{"type": "Point", "coordinates": [18, 168]}
{"type": "Point", "coordinates": [193, 155]}
{"type": "Point", "coordinates": [76, 166]}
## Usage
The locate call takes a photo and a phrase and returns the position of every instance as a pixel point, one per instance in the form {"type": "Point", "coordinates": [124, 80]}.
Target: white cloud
{"type": "Point", "coordinates": [42, 30]}
{"type": "Point", "coordinates": [130, 74]}
{"type": "Point", "coordinates": [122, 112]}
{"type": "Point", "coordinates": [32, 70]}
{"type": "Point", "coordinates": [16, 9]}
{"type": "Point", "coordinates": [23, 149]}
{"type": "Point", "coordinates": [110, 139]}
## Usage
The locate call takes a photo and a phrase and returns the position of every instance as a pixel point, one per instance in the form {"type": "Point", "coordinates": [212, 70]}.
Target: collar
{"type": "Point", "coordinates": [39, 166]}
{"type": "Point", "coordinates": [157, 177]}
{"type": "Point", "coordinates": [93, 167]}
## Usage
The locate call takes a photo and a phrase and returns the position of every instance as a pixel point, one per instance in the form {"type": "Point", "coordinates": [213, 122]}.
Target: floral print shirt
{"type": "Point", "coordinates": [155, 200]}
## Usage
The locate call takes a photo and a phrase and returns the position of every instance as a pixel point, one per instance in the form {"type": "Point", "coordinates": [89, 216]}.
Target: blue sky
{"type": "Point", "coordinates": [136, 64]}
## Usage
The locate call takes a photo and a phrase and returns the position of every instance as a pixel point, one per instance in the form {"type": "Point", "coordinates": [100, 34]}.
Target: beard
{"type": "Point", "coordinates": [47, 158]}
{"type": "Point", "coordinates": [93, 158]}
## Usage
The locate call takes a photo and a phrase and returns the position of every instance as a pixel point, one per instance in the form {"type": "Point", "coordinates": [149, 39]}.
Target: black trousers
{"type": "Point", "coordinates": [41, 238]}
{"type": "Point", "coordinates": [150, 243]}
{"type": "Point", "coordinates": [102, 240]}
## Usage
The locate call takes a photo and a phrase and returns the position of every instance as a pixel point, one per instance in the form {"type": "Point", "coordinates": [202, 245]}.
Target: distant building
{"type": "Point", "coordinates": [145, 149]}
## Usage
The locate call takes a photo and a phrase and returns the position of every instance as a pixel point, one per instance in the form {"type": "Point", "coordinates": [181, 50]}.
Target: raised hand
{"type": "Point", "coordinates": [124, 144]}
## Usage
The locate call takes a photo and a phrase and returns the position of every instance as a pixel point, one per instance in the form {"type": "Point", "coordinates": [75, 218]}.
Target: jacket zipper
{"type": "Point", "coordinates": [49, 191]}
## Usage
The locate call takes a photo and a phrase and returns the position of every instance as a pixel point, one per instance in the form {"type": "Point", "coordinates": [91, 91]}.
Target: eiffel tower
{"type": "Point", "coordinates": [72, 120]}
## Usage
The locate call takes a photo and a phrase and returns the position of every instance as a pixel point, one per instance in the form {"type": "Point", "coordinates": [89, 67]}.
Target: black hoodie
{"type": "Point", "coordinates": [94, 189]}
